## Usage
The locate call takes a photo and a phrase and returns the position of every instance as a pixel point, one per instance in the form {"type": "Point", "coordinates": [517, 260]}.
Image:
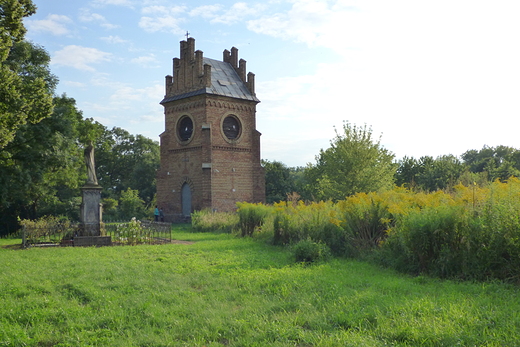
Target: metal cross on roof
{"type": "Point", "coordinates": [187, 34]}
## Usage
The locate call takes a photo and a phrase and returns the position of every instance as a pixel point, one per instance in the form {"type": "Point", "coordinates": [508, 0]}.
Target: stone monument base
{"type": "Point", "coordinates": [90, 229]}
{"type": "Point", "coordinates": [91, 211]}
{"type": "Point", "coordinates": [98, 241]}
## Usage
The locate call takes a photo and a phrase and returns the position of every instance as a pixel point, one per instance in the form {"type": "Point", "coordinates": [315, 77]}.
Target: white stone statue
{"type": "Point", "coordinates": [91, 168]}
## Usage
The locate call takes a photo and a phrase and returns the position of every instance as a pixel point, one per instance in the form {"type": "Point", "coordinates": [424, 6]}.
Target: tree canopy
{"type": "Point", "coordinates": [42, 168]}
{"type": "Point", "coordinates": [354, 163]}
{"type": "Point", "coordinates": [27, 86]}
{"type": "Point", "coordinates": [126, 161]}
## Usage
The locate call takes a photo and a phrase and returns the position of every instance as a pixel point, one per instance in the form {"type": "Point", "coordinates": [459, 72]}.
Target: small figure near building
{"type": "Point", "coordinates": [161, 215]}
{"type": "Point", "coordinates": [156, 214]}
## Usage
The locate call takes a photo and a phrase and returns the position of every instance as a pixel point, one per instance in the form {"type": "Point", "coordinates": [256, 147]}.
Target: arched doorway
{"type": "Point", "coordinates": [186, 200]}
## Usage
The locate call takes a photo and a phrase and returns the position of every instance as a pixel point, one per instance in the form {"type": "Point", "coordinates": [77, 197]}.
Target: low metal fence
{"type": "Point", "coordinates": [138, 232]}
{"type": "Point", "coordinates": [54, 235]}
{"type": "Point", "coordinates": [121, 233]}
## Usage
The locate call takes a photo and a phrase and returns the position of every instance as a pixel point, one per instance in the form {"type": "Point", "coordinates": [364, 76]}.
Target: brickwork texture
{"type": "Point", "coordinates": [210, 149]}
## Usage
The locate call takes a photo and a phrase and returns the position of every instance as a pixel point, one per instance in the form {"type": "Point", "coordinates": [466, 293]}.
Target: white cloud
{"type": "Point", "coordinates": [149, 61]}
{"type": "Point", "coordinates": [75, 84]}
{"type": "Point", "coordinates": [126, 92]}
{"type": "Point", "coordinates": [237, 12]}
{"type": "Point", "coordinates": [79, 57]}
{"type": "Point", "coordinates": [126, 3]}
{"type": "Point", "coordinates": [218, 14]}
{"type": "Point", "coordinates": [87, 16]}
{"type": "Point", "coordinates": [424, 75]}
{"type": "Point", "coordinates": [53, 23]}
{"type": "Point", "coordinates": [314, 22]}
{"type": "Point", "coordinates": [162, 18]}
{"type": "Point", "coordinates": [114, 40]}
{"type": "Point", "coordinates": [206, 11]}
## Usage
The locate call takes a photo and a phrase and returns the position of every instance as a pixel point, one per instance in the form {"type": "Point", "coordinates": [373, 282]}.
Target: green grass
{"type": "Point", "coordinates": [226, 291]}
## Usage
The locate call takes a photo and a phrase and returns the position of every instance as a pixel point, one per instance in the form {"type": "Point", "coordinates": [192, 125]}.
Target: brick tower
{"type": "Point", "coordinates": [210, 149]}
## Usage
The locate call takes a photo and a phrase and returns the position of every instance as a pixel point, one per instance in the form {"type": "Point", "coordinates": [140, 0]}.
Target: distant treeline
{"type": "Point", "coordinates": [426, 174]}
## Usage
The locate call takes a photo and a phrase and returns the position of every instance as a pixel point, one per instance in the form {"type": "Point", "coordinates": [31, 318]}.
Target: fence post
{"type": "Point", "coordinates": [23, 237]}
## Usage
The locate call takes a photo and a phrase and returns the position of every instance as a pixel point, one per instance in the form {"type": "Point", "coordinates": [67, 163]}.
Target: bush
{"type": "Point", "coordinates": [132, 233]}
{"type": "Point", "coordinates": [131, 205]}
{"type": "Point", "coordinates": [251, 217]}
{"type": "Point", "coordinates": [473, 233]}
{"type": "Point", "coordinates": [294, 222]}
{"type": "Point", "coordinates": [366, 218]}
{"type": "Point", "coordinates": [430, 241]}
{"type": "Point", "coordinates": [209, 221]}
{"type": "Point", "coordinates": [47, 229]}
{"type": "Point", "coordinates": [281, 229]}
{"type": "Point", "coordinates": [308, 251]}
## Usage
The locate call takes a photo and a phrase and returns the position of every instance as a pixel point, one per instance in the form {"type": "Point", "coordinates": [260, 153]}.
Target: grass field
{"type": "Point", "coordinates": [227, 291]}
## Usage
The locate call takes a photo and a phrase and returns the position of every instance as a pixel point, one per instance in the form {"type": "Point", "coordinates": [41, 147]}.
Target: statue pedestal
{"type": "Point", "coordinates": [91, 210]}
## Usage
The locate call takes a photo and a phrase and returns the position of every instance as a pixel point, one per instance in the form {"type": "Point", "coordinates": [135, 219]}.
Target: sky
{"type": "Point", "coordinates": [429, 78]}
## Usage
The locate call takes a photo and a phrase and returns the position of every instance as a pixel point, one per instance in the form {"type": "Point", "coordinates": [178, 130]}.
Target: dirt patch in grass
{"type": "Point", "coordinates": [15, 246]}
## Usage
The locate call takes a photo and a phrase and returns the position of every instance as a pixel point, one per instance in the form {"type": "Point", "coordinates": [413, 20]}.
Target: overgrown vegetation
{"type": "Point", "coordinates": [228, 291]}
{"type": "Point", "coordinates": [251, 217]}
{"type": "Point", "coordinates": [354, 163]}
{"type": "Point", "coordinates": [208, 221]}
{"type": "Point", "coordinates": [47, 229]}
{"type": "Point", "coordinates": [132, 233]}
{"type": "Point", "coordinates": [470, 232]}
{"type": "Point", "coordinates": [308, 251]}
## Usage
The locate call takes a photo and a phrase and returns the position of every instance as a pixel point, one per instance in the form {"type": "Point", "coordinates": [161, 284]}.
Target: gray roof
{"type": "Point", "coordinates": [224, 81]}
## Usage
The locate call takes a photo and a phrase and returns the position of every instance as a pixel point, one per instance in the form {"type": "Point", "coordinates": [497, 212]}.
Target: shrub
{"type": "Point", "coordinates": [281, 229]}
{"type": "Point", "coordinates": [308, 251]}
{"type": "Point", "coordinates": [131, 205]}
{"type": "Point", "coordinates": [432, 239]}
{"type": "Point", "coordinates": [47, 229]}
{"type": "Point", "coordinates": [473, 233]}
{"type": "Point", "coordinates": [132, 233]}
{"type": "Point", "coordinates": [251, 217]}
{"type": "Point", "coordinates": [298, 221]}
{"type": "Point", "coordinates": [209, 221]}
{"type": "Point", "coordinates": [366, 218]}
{"type": "Point", "coordinates": [110, 211]}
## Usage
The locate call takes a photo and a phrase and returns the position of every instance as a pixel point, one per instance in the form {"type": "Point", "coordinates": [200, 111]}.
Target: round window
{"type": "Point", "coordinates": [231, 127]}
{"type": "Point", "coordinates": [185, 128]}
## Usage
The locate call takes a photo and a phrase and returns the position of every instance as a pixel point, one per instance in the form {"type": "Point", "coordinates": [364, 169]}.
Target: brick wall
{"type": "Point", "coordinates": [219, 171]}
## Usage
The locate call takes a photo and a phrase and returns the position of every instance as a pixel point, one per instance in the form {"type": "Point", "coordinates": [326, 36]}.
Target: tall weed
{"type": "Point", "coordinates": [209, 221]}
{"type": "Point", "coordinates": [317, 221]}
{"type": "Point", "coordinates": [366, 217]}
{"type": "Point", "coordinates": [251, 217]}
{"type": "Point", "coordinates": [473, 234]}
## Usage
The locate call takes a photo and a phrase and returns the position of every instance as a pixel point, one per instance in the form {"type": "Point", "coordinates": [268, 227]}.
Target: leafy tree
{"type": "Point", "coordinates": [127, 161]}
{"type": "Point", "coordinates": [40, 169]}
{"type": "Point", "coordinates": [131, 205]}
{"type": "Point", "coordinates": [440, 173]}
{"type": "Point", "coordinates": [278, 181]}
{"type": "Point", "coordinates": [500, 162]}
{"type": "Point", "coordinates": [430, 174]}
{"type": "Point", "coordinates": [354, 163]}
{"type": "Point", "coordinates": [408, 170]}
{"type": "Point", "coordinates": [301, 184]}
{"type": "Point", "coordinates": [27, 85]}
{"type": "Point", "coordinates": [12, 29]}
{"type": "Point", "coordinates": [110, 211]}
